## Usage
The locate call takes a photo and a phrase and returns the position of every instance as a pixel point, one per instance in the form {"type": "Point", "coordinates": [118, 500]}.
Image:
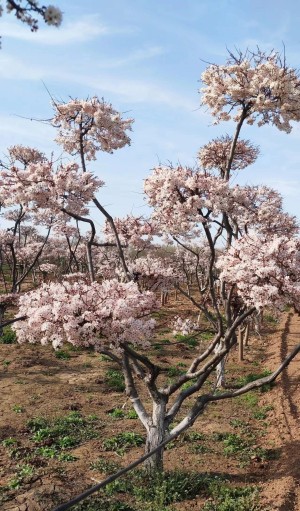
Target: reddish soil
{"type": "Point", "coordinates": [282, 490]}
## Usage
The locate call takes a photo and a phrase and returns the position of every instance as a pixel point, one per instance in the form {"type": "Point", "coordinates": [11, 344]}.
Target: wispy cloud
{"type": "Point", "coordinates": [128, 90]}
{"type": "Point", "coordinates": [135, 90]}
{"type": "Point", "coordinates": [134, 57]}
{"type": "Point", "coordinates": [16, 130]}
{"type": "Point", "coordinates": [85, 29]}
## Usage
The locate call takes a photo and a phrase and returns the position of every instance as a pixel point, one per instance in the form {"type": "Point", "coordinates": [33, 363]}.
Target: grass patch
{"type": "Point", "coordinates": [250, 399]}
{"type": "Point", "coordinates": [162, 491]}
{"type": "Point", "coordinates": [9, 336]}
{"type": "Point", "coordinates": [55, 438]}
{"type": "Point", "coordinates": [173, 371]}
{"type": "Point", "coordinates": [24, 474]}
{"type": "Point", "coordinates": [123, 441]}
{"type": "Point", "coordinates": [272, 320]}
{"type": "Point", "coordinates": [105, 466]}
{"type": "Point", "coordinates": [189, 341]}
{"type": "Point", "coordinates": [262, 412]}
{"type": "Point", "coordinates": [244, 380]}
{"type": "Point", "coordinates": [18, 409]}
{"type": "Point", "coordinates": [226, 498]}
{"type": "Point", "coordinates": [62, 355]}
{"type": "Point", "coordinates": [115, 380]}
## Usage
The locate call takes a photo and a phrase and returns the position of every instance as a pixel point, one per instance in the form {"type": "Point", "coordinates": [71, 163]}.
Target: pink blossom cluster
{"type": "Point", "coordinates": [48, 268]}
{"type": "Point", "coordinates": [88, 126]}
{"type": "Point", "coordinates": [99, 315]}
{"type": "Point", "coordinates": [192, 259]}
{"type": "Point", "coordinates": [24, 155]}
{"type": "Point", "coordinates": [106, 260]}
{"type": "Point", "coordinates": [151, 265]}
{"type": "Point", "coordinates": [133, 231]}
{"type": "Point", "coordinates": [6, 237]}
{"type": "Point", "coordinates": [25, 253]}
{"type": "Point", "coordinates": [265, 270]}
{"type": "Point", "coordinates": [40, 186]}
{"type": "Point", "coordinates": [14, 214]}
{"type": "Point", "coordinates": [161, 271]}
{"type": "Point", "coordinates": [183, 197]}
{"type": "Point", "coordinates": [253, 86]}
{"type": "Point", "coordinates": [178, 194]}
{"type": "Point", "coordinates": [260, 206]}
{"type": "Point", "coordinates": [183, 326]}
{"type": "Point", "coordinates": [215, 154]}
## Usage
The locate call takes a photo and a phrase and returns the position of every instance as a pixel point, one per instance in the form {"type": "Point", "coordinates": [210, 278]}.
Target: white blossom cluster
{"type": "Point", "coordinates": [26, 11]}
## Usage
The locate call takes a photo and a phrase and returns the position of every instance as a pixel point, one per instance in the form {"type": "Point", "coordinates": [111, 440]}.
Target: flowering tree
{"type": "Point", "coordinates": [217, 227]}
{"type": "Point", "coordinates": [27, 10]}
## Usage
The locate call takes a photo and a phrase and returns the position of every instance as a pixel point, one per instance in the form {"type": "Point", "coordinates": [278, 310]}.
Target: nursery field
{"type": "Point", "coordinates": [66, 423]}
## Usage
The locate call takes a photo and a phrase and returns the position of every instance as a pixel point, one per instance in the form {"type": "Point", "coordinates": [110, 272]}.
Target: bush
{"type": "Point", "coordinates": [9, 336]}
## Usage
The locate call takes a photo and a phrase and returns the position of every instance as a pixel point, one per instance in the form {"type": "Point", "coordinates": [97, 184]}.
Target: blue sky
{"type": "Point", "coordinates": [146, 58]}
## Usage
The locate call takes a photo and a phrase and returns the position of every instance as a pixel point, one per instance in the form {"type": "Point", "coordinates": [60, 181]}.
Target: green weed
{"type": "Point", "coordinates": [62, 355]}
{"type": "Point", "coordinates": [226, 498]}
{"type": "Point", "coordinates": [268, 318]}
{"type": "Point", "coordinates": [9, 442]}
{"type": "Point", "coordinates": [105, 465]}
{"type": "Point", "coordinates": [174, 371]}
{"type": "Point", "coordinates": [115, 380]}
{"type": "Point", "coordinates": [193, 436]}
{"type": "Point", "coordinates": [18, 409]}
{"type": "Point", "coordinates": [24, 473]}
{"type": "Point", "coordinates": [189, 341]}
{"type": "Point", "coordinates": [117, 413]}
{"type": "Point", "coordinates": [234, 444]}
{"type": "Point", "coordinates": [256, 376]}
{"type": "Point", "coordinates": [123, 442]}
{"type": "Point", "coordinates": [61, 434]}
{"type": "Point", "coordinates": [131, 414]}
{"type": "Point", "coordinates": [262, 412]}
{"type": "Point", "coordinates": [250, 399]}
{"type": "Point", "coordinates": [9, 336]}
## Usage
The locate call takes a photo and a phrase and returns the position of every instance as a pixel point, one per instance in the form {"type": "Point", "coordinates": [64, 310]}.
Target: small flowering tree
{"type": "Point", "coordinates": [219, 227]}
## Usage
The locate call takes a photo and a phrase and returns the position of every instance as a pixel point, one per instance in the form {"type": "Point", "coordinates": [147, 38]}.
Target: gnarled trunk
{"type": "Point", "coordinates": [156, 434]}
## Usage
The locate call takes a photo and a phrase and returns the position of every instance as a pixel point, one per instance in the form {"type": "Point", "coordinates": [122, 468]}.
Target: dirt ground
{"type": "Point", "coordinates": [36, 383]}
{"type": "Point", "coordinates": [281, 488]}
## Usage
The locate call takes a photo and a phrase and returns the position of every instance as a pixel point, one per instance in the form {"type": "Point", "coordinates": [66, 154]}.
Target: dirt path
{"type": "Point", "coordinates": [282, 490]}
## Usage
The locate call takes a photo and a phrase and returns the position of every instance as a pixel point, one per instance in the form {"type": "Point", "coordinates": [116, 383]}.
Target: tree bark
{"type": "Point", "coordinates": [156, 434]}
{"type": "Point", "coordinates": [220, 369]}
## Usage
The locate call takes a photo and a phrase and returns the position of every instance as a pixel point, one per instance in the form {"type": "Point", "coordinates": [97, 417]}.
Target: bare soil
{"type": "Point", "coordinates": [281, 489]}
{"type": "Point", "coordinates": [35, 383]}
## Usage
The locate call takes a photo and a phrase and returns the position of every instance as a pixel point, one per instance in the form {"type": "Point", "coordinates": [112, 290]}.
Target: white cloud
{"type": "Point", "coordinates": [16, 130]}
{"type": "Point", "coordinates": [134, 57]}
{"type": "Point", "coordinates": [128, 90]}
{"type": "Point", "coordinates": [135, 91]}
{"type": "Point", "coordinates": [86, 29]}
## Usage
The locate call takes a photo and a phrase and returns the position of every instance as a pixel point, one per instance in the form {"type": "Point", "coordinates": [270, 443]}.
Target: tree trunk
{"type": "Point", "coordinates": [246, 335]}
{"type": "Point", "coordinates": [155, 435]}
{"type": "Point", "coordinates": [220, 369]}
{"type": "Point", "coordinates": [2, 311]}
{"type": "Point", "coordinates": [241, 343]}
{"type": "Point", "coordinates": [90, 262]}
